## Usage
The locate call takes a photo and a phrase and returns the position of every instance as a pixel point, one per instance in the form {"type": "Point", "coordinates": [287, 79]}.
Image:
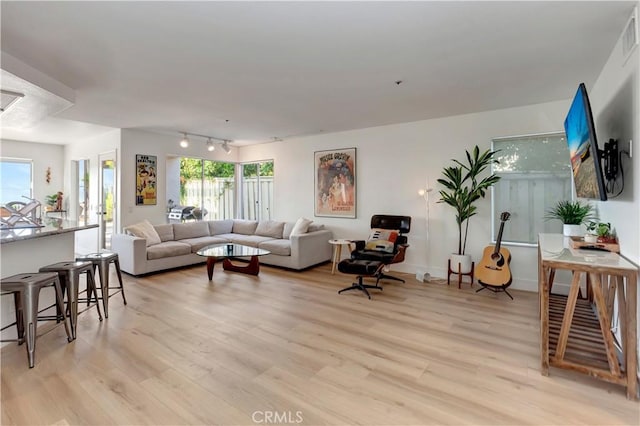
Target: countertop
{"type": "Point", "coordinates": [52, 226]}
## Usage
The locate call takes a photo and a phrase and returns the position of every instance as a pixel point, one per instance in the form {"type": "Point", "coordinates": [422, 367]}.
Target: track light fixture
{"type": "Point", "coordinates": [210, 144]}
{"type": "Point", "coordinates": [185, 141]}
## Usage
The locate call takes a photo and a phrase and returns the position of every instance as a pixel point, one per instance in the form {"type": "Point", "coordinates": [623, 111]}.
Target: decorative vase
{"type": "Point", "coordinates": [590, 238]}
{"type": "Point", "coordinates": [571, 230]}
{"type": "Point", "coordinates": [464, 260]}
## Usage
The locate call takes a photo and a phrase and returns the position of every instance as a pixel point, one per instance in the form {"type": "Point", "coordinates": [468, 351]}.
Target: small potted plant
{"type": "Point", "coordinates": [605, 233]}
{"type": "Point", "coordinates": [51, 201]}
{"type": "Point", "coordinates": [572, 214]}
{"type": "Point", "coordinates": [591, 236]}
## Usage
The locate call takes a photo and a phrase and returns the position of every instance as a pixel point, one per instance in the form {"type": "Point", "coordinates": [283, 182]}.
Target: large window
{"type": "Point", "coordinates": [209, 186]}
{"type": "Point", "coordinates": [535, 173]}
{"type": "Point", "coordinates": [15, 180]}
{"type": "Point", "coordinates": [257, 191]}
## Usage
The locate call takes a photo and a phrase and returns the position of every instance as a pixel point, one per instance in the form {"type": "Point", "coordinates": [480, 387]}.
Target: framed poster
{"type": "Point", "coordinates": [335, 183]}
{"type": "Point", "coordinates": [146, 190]}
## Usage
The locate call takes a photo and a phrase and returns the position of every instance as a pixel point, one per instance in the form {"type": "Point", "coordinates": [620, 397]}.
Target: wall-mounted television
{"type": "Point", "coordinates": [583, 148]}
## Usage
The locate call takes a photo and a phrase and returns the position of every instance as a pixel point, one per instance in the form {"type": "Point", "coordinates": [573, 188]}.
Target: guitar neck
{"type": "Point", "coordinates": [499, 241]}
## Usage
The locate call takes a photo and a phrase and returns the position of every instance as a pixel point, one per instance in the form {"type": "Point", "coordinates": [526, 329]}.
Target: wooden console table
{"type": "Point", "coordinates": [576, 334]}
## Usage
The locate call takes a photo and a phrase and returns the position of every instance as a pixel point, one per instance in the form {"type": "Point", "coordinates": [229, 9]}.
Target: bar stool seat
{"type": "Point", "coordinates": [26, 290]}
{"type": "Point", "coordinates": [102, 261]}
{"type": "Point", "coordinates": [69, 274]}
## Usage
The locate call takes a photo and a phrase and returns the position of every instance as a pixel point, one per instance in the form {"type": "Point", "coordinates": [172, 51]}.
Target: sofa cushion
{"type": "Point", "coordinates": [244, 227]}
{"type": "Point", "coordinates": [279, 247]}
{"type": "Point", "coordinates": [200, 242]}
{"type": "Point", "coordinates": [269, 228]}
{"type": "Point", "coordinates": [315, 227]}
{"type": "Point", "coordinates": [144, 230]}
{"type": "Point", "coordinates": [165, 232]}
{"type": "Point", "coordinates": [217, 227]}
{"type": "Point", "coordinates": [167, 249]}
{"type": "Point", "coordinates": [288, 227]}
{"type": "Point", "coordinates": [249, 240]}
{"type": "Point", "coordinates": [301, 226]}
{"type": "Point", "coordinates": [185, 230]}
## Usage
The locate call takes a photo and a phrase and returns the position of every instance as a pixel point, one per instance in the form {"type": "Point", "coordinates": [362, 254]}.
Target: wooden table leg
{"type": "Point", "coordinates": [630, 321]}
{"type": "Point", "coordinates": [252, 268]}
{"type": "Point", "coordinates": [337, 254]}
{"type": "Point", "coordinates": [211, 261]}
{"type": "Point", "coordinates": [544, 321]}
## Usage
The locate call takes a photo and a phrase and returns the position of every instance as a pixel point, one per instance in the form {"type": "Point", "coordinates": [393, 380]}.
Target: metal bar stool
{"type": "Point", "coordinates": [102, 261]}
{"type": "Point", "coordinates": [26, 290]}
{"type": "Point", "coordinates": [69, 274]}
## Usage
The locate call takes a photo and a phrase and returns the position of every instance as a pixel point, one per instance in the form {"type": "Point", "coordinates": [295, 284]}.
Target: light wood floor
{"type": "Point", "coordinates": [189, 351]}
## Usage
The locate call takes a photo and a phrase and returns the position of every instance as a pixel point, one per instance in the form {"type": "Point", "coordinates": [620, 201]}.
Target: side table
{"type": "Point", "coordinates": [337, 251]}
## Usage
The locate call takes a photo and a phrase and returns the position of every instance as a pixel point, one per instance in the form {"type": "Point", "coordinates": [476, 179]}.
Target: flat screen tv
{"type": "Point", "coordinates": [583, 148]}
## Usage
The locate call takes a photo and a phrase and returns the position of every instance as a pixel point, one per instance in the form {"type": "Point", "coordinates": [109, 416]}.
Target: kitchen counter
{"type": "Point", "coordinates": [52, 227]}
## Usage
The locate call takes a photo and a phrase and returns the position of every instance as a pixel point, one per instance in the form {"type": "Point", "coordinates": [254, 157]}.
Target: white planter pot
{"type": "Point", "coordinates": [463, 260]}
{"type": "Point", "coordinates": [572, 230]}
{"type": "Point", "coordinates": [590, 238]}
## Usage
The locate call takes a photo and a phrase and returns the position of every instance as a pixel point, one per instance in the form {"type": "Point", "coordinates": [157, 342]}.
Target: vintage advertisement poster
{"type": "Point", "coordinates": [335, 185]}
{"type": "Point", "coordinates": [146, 190]}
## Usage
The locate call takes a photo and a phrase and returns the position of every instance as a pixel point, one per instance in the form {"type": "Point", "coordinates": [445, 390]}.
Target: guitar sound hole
{"type": "Point", "coordinates": [498, 258]}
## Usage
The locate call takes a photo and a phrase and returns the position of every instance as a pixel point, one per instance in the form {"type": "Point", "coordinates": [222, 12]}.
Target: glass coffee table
{"type": "Point", "coordinates": [230, 251]}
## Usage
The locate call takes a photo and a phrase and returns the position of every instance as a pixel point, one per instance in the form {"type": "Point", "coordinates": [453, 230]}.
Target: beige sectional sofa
{"type": "Point", "coordinates": [175, 245]}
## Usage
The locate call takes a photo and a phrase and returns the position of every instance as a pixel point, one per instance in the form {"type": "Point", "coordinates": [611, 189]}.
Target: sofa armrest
{"type": "Point", "coordinates": [312, 248]}
{"type": "Point", "coordinates": [132, 253]}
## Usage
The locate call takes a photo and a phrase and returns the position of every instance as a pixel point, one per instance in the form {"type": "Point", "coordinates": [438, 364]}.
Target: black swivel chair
{"type": "Point", "coordinates": [402, 224]}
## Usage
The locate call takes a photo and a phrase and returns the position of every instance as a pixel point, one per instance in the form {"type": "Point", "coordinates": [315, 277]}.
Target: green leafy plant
{"type": "Point", "coordinates": [601, 229]}
{"type": "Point", "coordinates": [50, 200]}
{"type": "Point", "coordinates": [571, 212]}
{"type": "Point", "coordinates": [463, 188]}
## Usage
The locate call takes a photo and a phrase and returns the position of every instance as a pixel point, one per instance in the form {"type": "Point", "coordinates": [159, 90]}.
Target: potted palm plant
{"type": "Point", "coordinates": [462, 189]}
{"type": "Point", "coordinates": [573, 215]}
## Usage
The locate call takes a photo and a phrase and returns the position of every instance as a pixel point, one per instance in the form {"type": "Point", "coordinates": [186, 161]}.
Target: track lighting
{"type": "Point", "coordinates": [210, 144]}
{"type": "Point", "coordinates": [185, 141]}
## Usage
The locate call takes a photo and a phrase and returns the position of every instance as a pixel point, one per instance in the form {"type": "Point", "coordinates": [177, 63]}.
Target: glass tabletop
{"type": "Point", "coordinates": [231, 250]}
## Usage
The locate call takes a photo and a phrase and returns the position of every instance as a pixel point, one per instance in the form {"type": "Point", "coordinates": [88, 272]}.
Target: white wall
{"type": "Point", "coordinates": [615, 100]}
{"type": "Point", "coordinates": [43, 156]}
{"type": "Point", "coordinates": [393, 162]}
{"type": "Point", "coordinates": [90, 149]}
{"type": "Point", "coordinates": [163, 146]}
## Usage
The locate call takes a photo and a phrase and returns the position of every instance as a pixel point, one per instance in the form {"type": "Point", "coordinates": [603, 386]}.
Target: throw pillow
{"type": "Point", "coordinates": [144, 230]}
{"type": "Point", "coordinates": [382, 240]}
{"type": "Point", "coordinates": [383, 234]}
{"type": "Point", "coordinates": [380, 245]}
{"type": "Point", "coordinates": [301, 226]}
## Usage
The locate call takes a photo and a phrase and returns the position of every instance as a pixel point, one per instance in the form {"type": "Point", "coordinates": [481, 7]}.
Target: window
{"type": "Point", "coordinates": [209, 186]}
{"type": "Point", "coordinates": [15, 180]}
{"type": "Point", "coordinates": [535, 173]}
{"type": "Point", "coordinates": [257, 190]}
{"type": "Point", "coordinates": [82, 181]}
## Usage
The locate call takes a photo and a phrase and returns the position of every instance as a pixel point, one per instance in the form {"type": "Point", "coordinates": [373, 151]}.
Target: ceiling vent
{"type": "Point", "coordinates": [8, 98]}
{"type": "Point", "coordinates": [630, 35]}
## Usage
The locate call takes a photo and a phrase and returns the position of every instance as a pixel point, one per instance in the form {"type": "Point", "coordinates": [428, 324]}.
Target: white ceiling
{"type": "Point", "coordinates": [281, 69]}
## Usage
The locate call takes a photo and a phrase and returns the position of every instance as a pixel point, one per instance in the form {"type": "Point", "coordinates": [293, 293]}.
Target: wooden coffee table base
{"type": "Point", "coordinates": [251, 268]}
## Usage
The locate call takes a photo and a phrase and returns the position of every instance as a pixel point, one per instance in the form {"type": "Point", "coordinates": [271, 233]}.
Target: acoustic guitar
{"type": "Point", "coordinates": [493, 270]}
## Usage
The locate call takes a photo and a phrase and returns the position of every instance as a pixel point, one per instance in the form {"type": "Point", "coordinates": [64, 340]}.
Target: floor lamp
{"type": "Point", "coordinates": [424, 193]}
